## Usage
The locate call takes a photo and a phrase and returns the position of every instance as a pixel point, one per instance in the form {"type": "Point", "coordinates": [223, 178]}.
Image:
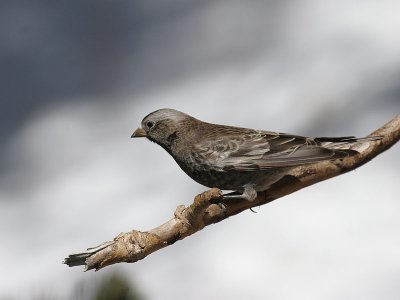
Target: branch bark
{"type": "Point", "coordinates": [136, 245]}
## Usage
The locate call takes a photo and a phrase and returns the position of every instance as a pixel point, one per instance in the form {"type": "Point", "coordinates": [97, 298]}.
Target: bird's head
{"type": "Point", "coordinates": [161, 126]}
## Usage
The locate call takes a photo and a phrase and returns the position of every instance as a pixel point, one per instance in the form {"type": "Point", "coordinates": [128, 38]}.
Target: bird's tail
{"type": "Point", "coordinates": [344, 141]}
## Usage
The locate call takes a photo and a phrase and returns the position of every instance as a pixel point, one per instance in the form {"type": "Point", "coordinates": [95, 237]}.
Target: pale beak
{"type": "Point", "coordinates": [139, 133]}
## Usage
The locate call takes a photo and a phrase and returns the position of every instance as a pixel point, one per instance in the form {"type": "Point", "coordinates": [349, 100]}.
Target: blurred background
{"type": "Point", "coordinates": [77, 77]}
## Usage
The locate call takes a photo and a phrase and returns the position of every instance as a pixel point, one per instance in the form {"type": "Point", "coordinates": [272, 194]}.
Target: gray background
{"type": "Point", "coordinates": [76, 78]}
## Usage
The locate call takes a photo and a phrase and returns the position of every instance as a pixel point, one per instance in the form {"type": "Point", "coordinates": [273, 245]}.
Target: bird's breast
{"type": "Point", "coordinates": [206, 173]}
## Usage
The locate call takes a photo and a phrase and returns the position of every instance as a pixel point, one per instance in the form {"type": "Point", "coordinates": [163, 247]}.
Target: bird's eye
{"type": "Point", "coordinates": [149, 124]}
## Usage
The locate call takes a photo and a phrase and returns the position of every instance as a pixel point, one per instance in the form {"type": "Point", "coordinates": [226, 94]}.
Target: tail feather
{"type": "Point", "coordinates": [347, 139]}
{"type": "Point", "coordinates": [344, 142]}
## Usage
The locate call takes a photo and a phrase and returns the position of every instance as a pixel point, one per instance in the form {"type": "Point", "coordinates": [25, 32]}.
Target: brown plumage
{"type": "Point", "coordinates": [233, 158]}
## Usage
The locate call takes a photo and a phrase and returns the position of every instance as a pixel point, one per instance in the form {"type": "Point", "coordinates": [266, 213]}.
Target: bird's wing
{"type": "Point", "coordinates": [258, 150]}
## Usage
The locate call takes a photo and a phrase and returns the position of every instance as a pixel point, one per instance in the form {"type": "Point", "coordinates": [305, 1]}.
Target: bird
{"type": "Point", "coordinates": [242, 160]}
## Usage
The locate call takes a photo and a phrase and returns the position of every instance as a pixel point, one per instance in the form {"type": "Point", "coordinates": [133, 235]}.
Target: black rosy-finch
{"type": "Point", "coordinates": [233, 158]}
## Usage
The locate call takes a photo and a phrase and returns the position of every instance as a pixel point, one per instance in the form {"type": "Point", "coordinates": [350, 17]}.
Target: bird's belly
{"type": "Point", "coordinates": [222, 180]}
{"type": "Point", "coordinates": [208, 175]}
{"type": "Point", "coordinates": [235, 180]}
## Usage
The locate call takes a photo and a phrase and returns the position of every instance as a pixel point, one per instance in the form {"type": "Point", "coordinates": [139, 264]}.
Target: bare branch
{"type": "Point", "coordinates": [136, 245]}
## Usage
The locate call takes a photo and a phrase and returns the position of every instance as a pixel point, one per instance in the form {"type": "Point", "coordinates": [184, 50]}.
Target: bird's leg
{"type": "Point", "coordinates": [249, 194]}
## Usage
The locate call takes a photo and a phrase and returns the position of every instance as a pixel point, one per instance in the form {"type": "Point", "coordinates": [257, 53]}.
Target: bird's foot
{"type": "Point", "coordinates": [249, 194]}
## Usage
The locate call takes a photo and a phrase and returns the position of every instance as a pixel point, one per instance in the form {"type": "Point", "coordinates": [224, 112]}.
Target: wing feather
{"type": "Point", "coordinates": [257, 150]}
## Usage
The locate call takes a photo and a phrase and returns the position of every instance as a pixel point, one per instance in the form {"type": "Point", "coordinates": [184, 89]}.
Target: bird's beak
{"type": "Point", "coordinates": [139, 133]}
